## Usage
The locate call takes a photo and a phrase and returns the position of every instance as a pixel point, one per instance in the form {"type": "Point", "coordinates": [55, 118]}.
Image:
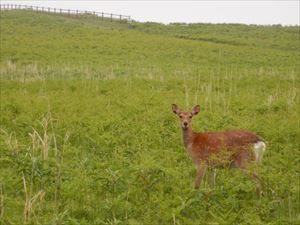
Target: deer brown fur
{"type": "Point", "coordinates": [218, 149]}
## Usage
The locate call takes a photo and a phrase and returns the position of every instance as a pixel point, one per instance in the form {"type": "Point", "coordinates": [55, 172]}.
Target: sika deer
{"type": "Point", "coordinates": [218, 149]}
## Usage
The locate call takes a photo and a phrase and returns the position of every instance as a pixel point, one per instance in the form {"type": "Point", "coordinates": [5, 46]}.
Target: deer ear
{"type": "Point", "coordinates": [196, 109]}
{"type": "Point", "coordinates": [175, 109]}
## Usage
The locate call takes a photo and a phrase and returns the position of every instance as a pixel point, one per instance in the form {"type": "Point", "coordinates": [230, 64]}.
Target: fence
{"type": "Point", "coordinates": [102, 15]}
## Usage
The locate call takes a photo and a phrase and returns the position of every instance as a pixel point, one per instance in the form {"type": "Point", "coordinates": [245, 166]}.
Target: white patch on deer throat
{"type": "Point", "coordinates": [189, 146]}
{"type": "Point", "coordinates": [259, 148]}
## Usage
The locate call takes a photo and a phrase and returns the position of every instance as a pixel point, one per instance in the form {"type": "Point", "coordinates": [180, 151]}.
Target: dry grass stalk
{"type": "Point", "coordinates": [1, 202]}
{"type": "Point", "coordinates": [35, 143]}
{"type": "Point", "coordinates": [44, 139]}
{"type": "Point", "coordinates": [30, 202]}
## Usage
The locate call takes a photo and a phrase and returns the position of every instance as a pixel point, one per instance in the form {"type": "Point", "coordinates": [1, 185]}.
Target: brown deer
{"type": "Point", "coordinates": [218, 149]}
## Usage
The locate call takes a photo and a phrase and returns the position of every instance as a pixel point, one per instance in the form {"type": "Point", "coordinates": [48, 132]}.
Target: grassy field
{"type": "Point", "coordinates": [87, 134]}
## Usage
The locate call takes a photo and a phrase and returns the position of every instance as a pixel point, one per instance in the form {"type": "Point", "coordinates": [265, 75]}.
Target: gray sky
{"type": "Point", "coordinates": [285, 12]}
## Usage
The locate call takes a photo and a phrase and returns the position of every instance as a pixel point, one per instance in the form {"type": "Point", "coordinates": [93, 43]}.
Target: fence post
{"type": "Point", "coordinates": [108, 16]}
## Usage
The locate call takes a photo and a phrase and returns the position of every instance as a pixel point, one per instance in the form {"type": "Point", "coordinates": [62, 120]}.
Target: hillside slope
{"type": "Point", "coordinates": [274, 37]}
{"type": "Point", "coordinates": [54, 40]}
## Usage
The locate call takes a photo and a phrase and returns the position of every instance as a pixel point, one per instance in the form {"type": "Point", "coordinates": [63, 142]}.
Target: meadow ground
{"type": "Point", "coordinates": [87, 132]}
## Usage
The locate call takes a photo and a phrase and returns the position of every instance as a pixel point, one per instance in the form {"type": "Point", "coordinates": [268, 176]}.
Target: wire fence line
{"type": "Point", "coordinates": [70, 12]}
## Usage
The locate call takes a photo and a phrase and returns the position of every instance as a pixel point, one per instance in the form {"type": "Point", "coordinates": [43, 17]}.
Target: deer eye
{"type": "Point", "coordinates": [190, 117]}
{"type": "Point", "coordinates": [180, 116]}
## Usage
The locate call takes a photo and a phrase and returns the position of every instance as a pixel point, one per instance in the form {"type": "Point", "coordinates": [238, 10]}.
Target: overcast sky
{"type": "Point", "coordinates": [285, 12]}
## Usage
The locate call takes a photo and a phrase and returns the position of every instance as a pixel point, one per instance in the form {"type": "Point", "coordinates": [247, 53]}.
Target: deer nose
{"type": "Point", "coordinates": [185, 123]}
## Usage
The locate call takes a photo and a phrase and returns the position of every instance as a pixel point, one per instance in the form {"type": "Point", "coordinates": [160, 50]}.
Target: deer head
{"type": "Point", "coordinates": [185, 117]}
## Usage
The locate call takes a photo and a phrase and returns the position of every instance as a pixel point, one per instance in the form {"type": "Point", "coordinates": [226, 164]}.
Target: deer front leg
{"type": "Point", "coordinates": [212, 177]}
{"type": "Point", "coordinates": [201, 169]}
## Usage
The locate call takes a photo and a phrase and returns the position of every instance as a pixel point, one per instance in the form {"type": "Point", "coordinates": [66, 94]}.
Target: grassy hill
{"type": "Point", "coordinates": [273, 37]}
{"type": "Point", "coordinates": [87, 132]}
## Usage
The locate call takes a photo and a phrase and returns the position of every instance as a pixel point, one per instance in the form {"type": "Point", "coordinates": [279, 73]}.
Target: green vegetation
{"type": "Point", "coordinates": [87, 133]}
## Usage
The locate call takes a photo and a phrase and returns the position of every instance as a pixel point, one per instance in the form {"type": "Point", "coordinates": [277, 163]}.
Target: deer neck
{"type": "Point", "coordinates": [187, 136]}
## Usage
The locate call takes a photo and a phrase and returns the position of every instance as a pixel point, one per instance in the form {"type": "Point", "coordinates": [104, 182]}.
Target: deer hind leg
{"type": "Point", "coordinates": [243, 164]}
{"type": "Point", "coordinates": [201, 169]}
{"type": "Point", "coordinates": [255, 178]}
{"type": "Point", "coordinates": [258, 182]}
{"type": "Point", "coordinates": [212, 177]}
